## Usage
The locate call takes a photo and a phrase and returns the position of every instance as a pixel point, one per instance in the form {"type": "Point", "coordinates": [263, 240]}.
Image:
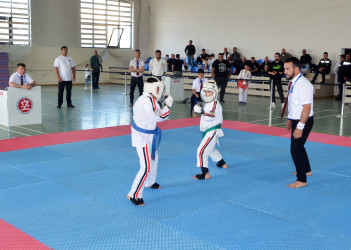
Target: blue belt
{"type": "Point", "coordinates": [155, 141]}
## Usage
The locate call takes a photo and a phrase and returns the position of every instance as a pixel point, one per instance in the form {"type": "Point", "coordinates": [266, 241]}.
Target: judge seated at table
{"type": "Point", "coordinates": [20, 79]}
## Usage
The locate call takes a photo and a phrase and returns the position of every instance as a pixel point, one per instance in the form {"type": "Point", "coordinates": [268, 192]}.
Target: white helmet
{"type": "Point", "coordinates": [209, 86]}
{"type": "Point", "coordinates": [153, 84]}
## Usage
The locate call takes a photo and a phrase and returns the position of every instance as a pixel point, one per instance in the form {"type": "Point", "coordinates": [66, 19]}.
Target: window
{"type": "Point", "coordinates": [106, 23]}
{"type": "Point", "coordinates": [15, 22]}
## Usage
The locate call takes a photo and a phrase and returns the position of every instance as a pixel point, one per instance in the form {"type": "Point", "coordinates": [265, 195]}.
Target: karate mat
{"type": "Point", "coordinates": [72, 195]}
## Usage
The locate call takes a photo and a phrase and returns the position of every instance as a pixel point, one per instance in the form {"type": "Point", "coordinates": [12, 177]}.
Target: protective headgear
{"type": "Point", "coordinates": [209, 86]}
{"type": "Point", "coordinates": [153, 84]}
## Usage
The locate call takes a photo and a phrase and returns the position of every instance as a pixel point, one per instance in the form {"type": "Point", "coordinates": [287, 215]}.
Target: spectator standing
{"type": "Point", "coordinates": [221, 72]}
{"type": "Point", "coordinates": [170, 62]}
{"type": "Point", "coordinates": [20, 79]}
{"type": "Point", "coordinates": [87, 76]}
{"type": "Point", "coordinates": [65, 70]}
{"type": "Point", "coordinates": [158, 65]}
{"type": "Point", "coordinates": [190, 52]}
{"type": "Point", "coordinates": [306, 61]}
{"type": "Point", "coordinates": [337, 72]}
{"type": "Point", "coordinates": [96, 67]}
{"type": "Point", "coordinates": [345, 74]}
{"type": "Point", "coordinates": [243, 86]}
{"type": "Point", "coordinates": [284, 56]}
{"type": "Point", "coordinates": [324, 67]}
{"type": "Point", "coordinates": [136, 67]}
{"type": "Point", "coordinates": [276, 72]}
{"type": "Point", "coordinates": [177, 67]}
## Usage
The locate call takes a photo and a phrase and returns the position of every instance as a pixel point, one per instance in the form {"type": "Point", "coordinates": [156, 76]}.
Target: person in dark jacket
{"type": "Point", "coordinates": [190, 52]}
{"type": "Point", "coordinates": [306, 61]}
{"type": "Point", "coordinates": [324, 67]}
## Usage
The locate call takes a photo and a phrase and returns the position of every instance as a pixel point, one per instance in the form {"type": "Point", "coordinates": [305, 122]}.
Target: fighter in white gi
{"type": "Point", "coordinates": [210, 125]}
{"type": "Point", "coordinates": [146, 136]}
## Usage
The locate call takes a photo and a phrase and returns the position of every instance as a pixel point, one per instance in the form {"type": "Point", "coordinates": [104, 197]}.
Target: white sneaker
{"type": "Point", "coordinates": [273, 105]}
{"type": "Point", "coordinates": [85, 88]}
{"type": "Point", "coordinates": [283, 105]}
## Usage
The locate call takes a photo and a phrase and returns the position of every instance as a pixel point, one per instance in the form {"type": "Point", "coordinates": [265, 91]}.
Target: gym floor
{"type": "Point", "coordinates": [108, 107]}
{"type": "Point", "coordinates": [68, 190]}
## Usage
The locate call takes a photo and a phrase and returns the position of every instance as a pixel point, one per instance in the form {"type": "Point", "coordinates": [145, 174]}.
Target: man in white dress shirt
{"type": "Point", "coordinates": [300, 118]}
{"type": "Point", "coordinates": [136, 67]}
{"type": "Point", "coordinates": [157, 65]}
{"type": "Point", "coordinates": [65, 70]}
{"type": "Point", "coordinates": [20, 79]}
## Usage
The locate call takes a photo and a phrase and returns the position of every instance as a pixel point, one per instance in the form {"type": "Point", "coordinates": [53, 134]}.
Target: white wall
{"type": "Point", "coordinates": [257, 28]}
{"type": "Point", "coordinates": [56, 23]}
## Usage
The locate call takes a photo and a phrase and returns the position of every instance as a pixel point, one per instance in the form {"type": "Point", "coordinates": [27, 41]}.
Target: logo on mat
{"type": "Point", "coordinates": [24, 105]}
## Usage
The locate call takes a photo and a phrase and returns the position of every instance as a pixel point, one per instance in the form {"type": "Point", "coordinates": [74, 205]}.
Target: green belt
{"type": "Point", "coordinates": [210, 129]}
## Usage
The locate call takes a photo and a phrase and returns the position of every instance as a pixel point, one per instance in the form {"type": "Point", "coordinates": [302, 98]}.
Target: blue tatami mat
{"type": "Point", "coordinates": [73, 196]}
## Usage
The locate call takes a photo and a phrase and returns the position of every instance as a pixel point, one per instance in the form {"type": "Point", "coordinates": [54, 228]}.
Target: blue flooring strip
{"type": "Point", "coordinates": [73, 196]}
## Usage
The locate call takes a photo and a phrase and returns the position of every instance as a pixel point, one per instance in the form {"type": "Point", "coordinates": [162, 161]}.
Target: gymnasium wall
{"type": "Point", "coordinates": [56, 23]}
{"type": "Point", "coordinates": [257, 28]}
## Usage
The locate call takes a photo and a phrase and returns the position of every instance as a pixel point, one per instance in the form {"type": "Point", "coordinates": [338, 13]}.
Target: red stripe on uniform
{"type": "Point", "coordinates": [154, 102]}
{"type": "Point", "coordinates": [214, 106]}
{"type": "Point", "coordinates": [167, 113]}
{"type": "Point", "coordinates": [202, 149]}
{"type": "Point", "coordinates": [148, 170]}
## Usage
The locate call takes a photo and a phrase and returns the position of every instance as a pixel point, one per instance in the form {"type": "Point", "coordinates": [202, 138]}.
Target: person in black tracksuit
{"type": "Point", "coordinates": [276, 71]}
{"type": "Point", "coordinates": [324, 67]}
{"type": "Point", "coordinates": [344, 74]}
{"type": "Point", "coordinates": [221, 72]}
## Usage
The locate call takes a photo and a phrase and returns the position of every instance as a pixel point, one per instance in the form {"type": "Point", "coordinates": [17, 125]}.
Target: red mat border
{"type": "Point", "coordinates": [90, 134]}
{"type": "Point", "coordinates": [12, 238]}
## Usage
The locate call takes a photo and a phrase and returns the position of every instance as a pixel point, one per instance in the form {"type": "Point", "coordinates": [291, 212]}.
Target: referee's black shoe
{"type": "Point", "coordinates": [71, 106]}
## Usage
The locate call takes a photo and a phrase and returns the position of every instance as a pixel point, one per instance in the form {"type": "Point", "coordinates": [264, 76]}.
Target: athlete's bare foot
{"type": "Point", "coordinates": [207, 176]}
{"type": "Point", "coordinates": [297, 184]}
{"type": "Point", "coordinates": [137, 202]}
{"type": "Point", "coordinates": [308, 173]}
{"type": "Point", "coordinates": [194, 114]}
{"type": "Point", "coordinates": [225, 165]}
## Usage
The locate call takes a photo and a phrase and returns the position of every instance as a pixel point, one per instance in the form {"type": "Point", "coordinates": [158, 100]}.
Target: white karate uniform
{"type": "Point", "coordinates": [243, 93]}
{"type": "Point", "coordinates": [146, 113]}
{"type": "Point", "coordinates": [211, 117]}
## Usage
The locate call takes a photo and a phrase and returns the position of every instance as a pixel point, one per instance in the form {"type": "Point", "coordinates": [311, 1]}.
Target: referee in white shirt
{"type": "Point", "coordinates": [65, 70]}
{"type": "Point", "coordinates": [136, 67]}
{"type": "Point", "coordinates": [157, 65]}
{"type": "Point", "coordinates": [20, 79]}
{"type": "Point", "coordinates": [300, 118]}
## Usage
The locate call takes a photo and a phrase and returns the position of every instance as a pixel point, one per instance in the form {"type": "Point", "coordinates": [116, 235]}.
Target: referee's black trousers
{"type": "Point", "coordinates": [134, 82]}
{"type": "Point", "coordinates": [298, 151]}
{"type": "Point", "coordinates": [61, 88]}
